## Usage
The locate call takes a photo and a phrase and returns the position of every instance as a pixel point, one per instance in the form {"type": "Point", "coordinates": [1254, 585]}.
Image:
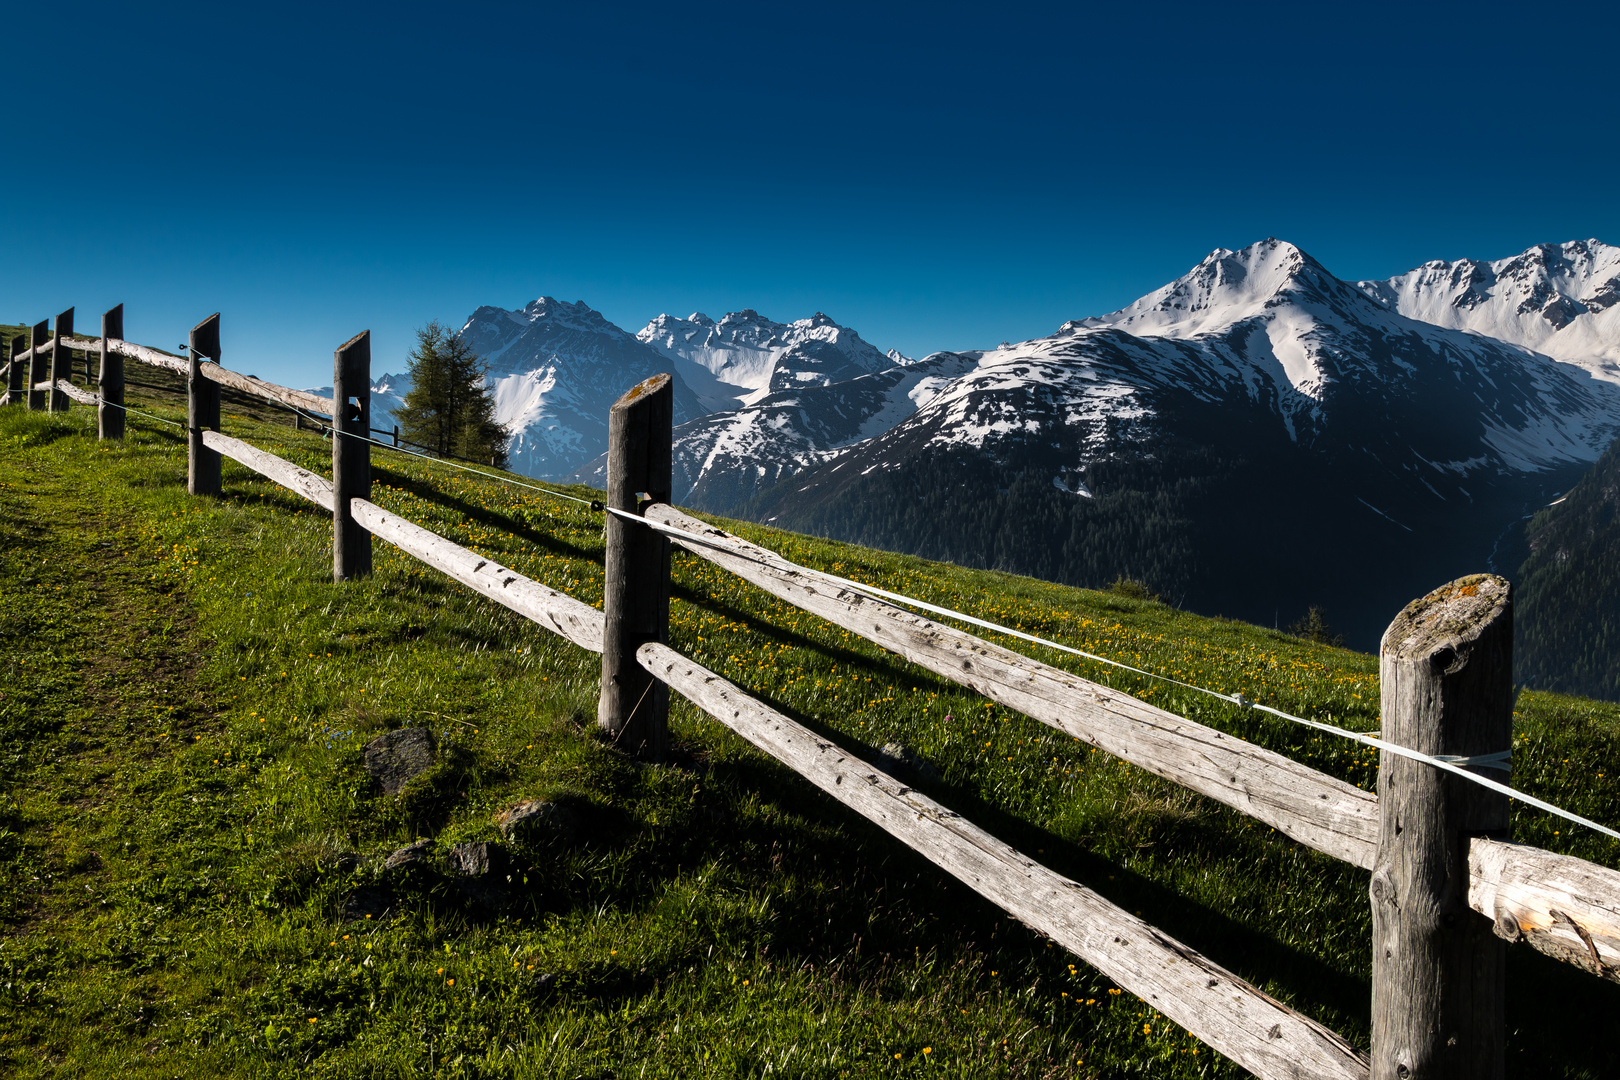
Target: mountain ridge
{"type": "Point", "coordinates": [1257, 387]}
{"type": "Point", "coordinates": [1562, 300]}
{"type": "Point", "coordinates": [1256, 377]}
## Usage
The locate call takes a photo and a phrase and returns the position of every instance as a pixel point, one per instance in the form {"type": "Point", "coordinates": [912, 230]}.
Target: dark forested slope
{"type": "Point", "coordinates": [1569, 589]}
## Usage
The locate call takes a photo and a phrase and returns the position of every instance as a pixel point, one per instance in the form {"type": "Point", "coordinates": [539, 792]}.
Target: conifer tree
{"type": "Point", "coordinates": [450, 408]}
{"type": "Point", "coordinates": [1314, 627]}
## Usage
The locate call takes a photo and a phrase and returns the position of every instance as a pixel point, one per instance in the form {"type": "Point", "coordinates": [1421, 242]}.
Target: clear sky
{"type": "Point", "coordinates": [934, 175]}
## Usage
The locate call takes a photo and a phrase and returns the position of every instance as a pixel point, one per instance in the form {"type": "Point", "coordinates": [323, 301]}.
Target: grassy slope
{"type": "Point", "coordinates": [182, 808]}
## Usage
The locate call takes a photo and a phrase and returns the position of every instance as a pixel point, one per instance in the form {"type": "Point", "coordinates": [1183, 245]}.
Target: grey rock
{"type": "Point", "coordinates": [480, 870]}
{"type": "Point", "coordinates": [411, 856]}
{"type": "Point", "coordinates": [395, 757]}
{"type": "Point", "coordinates": [904, 763]}
{"type": "Point", "coordinates": [478, 860]}
{"type": "Point", "coordinates": [536, 820]}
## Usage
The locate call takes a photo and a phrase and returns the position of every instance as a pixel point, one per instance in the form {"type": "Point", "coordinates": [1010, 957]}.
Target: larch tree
{"type": "Point", "coordinates": [449, 408]}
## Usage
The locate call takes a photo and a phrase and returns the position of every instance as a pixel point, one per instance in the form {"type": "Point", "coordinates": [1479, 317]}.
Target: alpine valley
{"type": "Point", "coordinates": [1252, 438]}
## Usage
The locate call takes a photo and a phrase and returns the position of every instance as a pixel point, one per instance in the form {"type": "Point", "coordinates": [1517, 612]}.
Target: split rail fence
{"type": "Point", "coordinates": [1448, 890]}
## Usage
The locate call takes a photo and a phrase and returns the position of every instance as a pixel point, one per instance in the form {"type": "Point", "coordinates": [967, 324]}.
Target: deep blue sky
{"type": "Point", "coordinates": [936, 176]}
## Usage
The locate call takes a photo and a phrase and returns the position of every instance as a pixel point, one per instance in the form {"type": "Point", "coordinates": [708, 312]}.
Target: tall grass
{"type": "Point", "coordinates": [190, 836]}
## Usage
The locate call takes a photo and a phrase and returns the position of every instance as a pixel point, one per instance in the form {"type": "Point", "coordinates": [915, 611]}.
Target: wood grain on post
{"type": "Point", "coordinates": [634, 707]}
{"type": "Point", "coordinates": [351, 455]}
{"type": "Point", "coordinates": [110, 412]}
{"type": "Point", "coordinates": [1446, 674]}
{"type": "Point", "coordinates": [17, 373]}
{"type": "Point", "coordinates": [38, 367]}
{"type": "Point", "coordinates": [61, 362]}
{"type": "Point", "coordinates": [1255, 1030]}
{"type": "Point", "coordinates": [202, 409]}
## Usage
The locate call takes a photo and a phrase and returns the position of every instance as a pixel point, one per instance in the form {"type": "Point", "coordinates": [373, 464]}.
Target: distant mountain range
{"type": "Point", "coordinates": [1253, 437]}
{"type": "Point", "coordinates": [744, 357]}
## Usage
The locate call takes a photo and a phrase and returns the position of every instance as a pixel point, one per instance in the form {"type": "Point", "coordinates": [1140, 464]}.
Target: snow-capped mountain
{"type": "Point", "coordinates": [1258, 388]}
{"type": "Point", "coordinates": [387, 395]}
{"type": "Point", "coordinates": [1273, 319]}
{"type": "Point", "coordinates": [1267, 329]}
{"type": "Point", "coordinates": [726, 458]}
{"type": "Point", "coordinates": [1562, 300]}
{"type": "Point", "coordinates": [556, 369]}
{"type": "Point", "coordinates": [744, 356]}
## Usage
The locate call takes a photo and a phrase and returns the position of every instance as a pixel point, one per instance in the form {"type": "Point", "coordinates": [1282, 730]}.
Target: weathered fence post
{"type": "Point", "coordinates": [110, 410]}
{"type": "Point", "coordinates": [202, 410]}
{"type": "Point", "coordinates": [396, 436]}
{"type": "Point", "coordinates": [351, 456]}
{"type": "Point", "coordinates": [61, 362]}
{"type": "Point", "coordinates": [38, 366]}
{"type": "Point", "coordinates": [634, 707]}
{"type": "Point", "coordinates": [1446, 668]}
{"type": "Point", "coordinates": [16, 373]}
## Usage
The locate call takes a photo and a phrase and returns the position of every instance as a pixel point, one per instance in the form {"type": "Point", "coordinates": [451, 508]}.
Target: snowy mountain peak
{"type": "Point", "coordinates": [556, 368]}
{"type": "Point", "coordinates": [1562, 300]}
{"type": "Point", "coordinates": [494, 331]}
{"type": "Point", "coordinates": [578, 314]}
{"type": "Point", "coordinates": [1225, 288]}
{"type": "Point", "coordinates": [739, 358]}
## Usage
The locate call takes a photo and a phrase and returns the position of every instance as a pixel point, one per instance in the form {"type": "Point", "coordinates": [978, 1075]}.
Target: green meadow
{"type": "Point", "coordinates": [185, 820]}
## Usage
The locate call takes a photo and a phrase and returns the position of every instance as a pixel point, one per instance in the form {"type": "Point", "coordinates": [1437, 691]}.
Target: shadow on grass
{"type": "Point", "coordinates": [485, 516]}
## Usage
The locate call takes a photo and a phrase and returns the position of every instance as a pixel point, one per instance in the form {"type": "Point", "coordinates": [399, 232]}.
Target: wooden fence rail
{"type": "Point", "coordinates": [1255, 1030]}
{"type": "Point", "coordinates": [1566, 907]}
{"type": "Point", "coordinates": [1546, 899]}
{"type": "Point", "coordinates": [1316, 809]}
{"type": "Point", "coordinates": [1227, 1012]}
{"type": "Point", "coordinates": [248, 384]}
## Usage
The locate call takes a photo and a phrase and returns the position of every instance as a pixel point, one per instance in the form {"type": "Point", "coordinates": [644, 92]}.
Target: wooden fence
{"type": "Point", "coordinates": [1448, 890]}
